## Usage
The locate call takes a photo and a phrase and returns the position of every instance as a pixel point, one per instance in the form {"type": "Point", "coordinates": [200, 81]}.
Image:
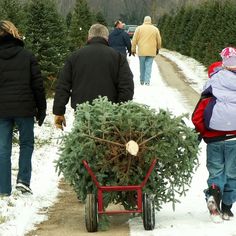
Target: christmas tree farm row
{"type": "Point", "coordinates": [200, 31]}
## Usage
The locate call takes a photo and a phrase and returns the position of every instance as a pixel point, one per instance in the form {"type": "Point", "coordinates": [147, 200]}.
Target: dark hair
{"type": "Point", "coordinates": [117, 23]}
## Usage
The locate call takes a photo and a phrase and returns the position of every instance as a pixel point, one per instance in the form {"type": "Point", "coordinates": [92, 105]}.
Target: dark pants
{"type": "Point", "coordinates": [25, 126]}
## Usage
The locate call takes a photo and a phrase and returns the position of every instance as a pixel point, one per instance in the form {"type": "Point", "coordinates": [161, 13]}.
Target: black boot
{"type": "Point", "coordinates": [226, 211]}
{"type": "Point", "coordinates": [213, 199]}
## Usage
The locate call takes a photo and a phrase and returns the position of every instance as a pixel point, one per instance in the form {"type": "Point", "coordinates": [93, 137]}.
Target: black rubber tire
{"type": "Point", "coordinates": [91, 213]}
{"type": "Point", "coordinates": [148, 212]}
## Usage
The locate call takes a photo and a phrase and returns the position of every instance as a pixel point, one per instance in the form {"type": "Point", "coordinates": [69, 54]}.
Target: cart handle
{"type": "Point", "coordinates": [94, 178]}
{"type": "Point", "coordinates": [149, 172]}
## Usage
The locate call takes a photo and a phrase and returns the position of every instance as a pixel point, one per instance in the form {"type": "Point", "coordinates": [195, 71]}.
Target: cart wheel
{"type": "Point", "coordinates": [91, 213]}
{"type": "Point", "coordinates": [148, 212]}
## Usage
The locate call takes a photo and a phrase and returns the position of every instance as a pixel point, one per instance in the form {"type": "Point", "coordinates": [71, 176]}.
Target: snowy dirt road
{"type": "Point", "coordinates": [66, 217]}
{"type": "Point", "coordinates": [175, 78]}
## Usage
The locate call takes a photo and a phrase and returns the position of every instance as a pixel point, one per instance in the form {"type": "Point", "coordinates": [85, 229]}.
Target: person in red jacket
{"type": "Point", "coordinates": [218, 196]}
{"type": "Point", "coordinates": [198, 114]}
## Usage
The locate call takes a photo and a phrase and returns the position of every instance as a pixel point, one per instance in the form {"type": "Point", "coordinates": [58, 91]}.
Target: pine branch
{"type": "Point", "coordinates": [104, 140]}
{"type": "Point", "coordinates": [144, 133]}
{"type": "Point", "coordinates": [115, 157]}
{"type": "Point", "coordinates": [122, 137]}
{"type": "Point", "coordinates": [147, 140]}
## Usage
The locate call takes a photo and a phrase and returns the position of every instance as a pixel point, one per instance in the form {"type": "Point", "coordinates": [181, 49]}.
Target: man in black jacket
{"type": "Point", "coordinates": [92, 71]}
{"type": "Point", "coordinates": [22, 97]}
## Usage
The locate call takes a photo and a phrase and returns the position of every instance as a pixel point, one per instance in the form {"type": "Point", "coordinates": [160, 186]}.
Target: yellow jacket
{"type": "Point", "coordinates": [148, 40]}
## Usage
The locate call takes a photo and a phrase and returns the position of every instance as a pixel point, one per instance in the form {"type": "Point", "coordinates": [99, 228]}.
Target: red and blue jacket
{"type": "Point", "coordinates": [209, 135]}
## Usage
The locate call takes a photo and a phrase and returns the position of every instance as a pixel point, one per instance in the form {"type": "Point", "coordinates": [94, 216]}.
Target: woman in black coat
{"type": "Point", "coordinates": [22, 97]}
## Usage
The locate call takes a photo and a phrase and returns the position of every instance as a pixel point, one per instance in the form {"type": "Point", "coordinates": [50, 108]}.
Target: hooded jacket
{"type": "Point", "coordinates": [92, 71]}
{"type": "Point", "coordinates": [21, 85]}
{"type": "Point", "coordinates": [199, 118]}
{"type": "Point", "coordinates": [220, 114]}
{"type": "Point", "coordinates": [120, 41]}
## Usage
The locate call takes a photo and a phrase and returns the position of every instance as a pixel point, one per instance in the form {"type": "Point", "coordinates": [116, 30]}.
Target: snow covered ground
{"type": "Point", "coordinates": [19, 214]}
{"type": "Point", "coordinates": [191, 216]}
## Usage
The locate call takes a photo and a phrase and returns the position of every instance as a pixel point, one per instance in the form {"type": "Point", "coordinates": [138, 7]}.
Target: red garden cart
{"type": "Point", "coordinates": [94, 204]}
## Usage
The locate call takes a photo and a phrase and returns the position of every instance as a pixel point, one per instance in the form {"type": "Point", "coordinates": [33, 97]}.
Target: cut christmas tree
{"type": "Point", "coordinates": [119, 141]}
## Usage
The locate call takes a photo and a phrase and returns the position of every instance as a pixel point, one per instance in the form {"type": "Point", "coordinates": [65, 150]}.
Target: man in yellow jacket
{"type": "Point", "coordinates": [148, 40]}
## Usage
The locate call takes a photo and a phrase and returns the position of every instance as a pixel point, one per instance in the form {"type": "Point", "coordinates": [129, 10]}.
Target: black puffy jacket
{"type": "Point", "coordinates": [22, 92]}
{"type": "Point", "coordinates": [93, 70]}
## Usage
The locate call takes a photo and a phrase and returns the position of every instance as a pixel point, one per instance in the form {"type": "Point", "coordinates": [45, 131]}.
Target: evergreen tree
{"type": "Point", "coordinates": [228, 31]}
{"type": "Point", "coordinates": [163, 25]}
{"type": "Point", "coordinates": [168, 34]}
{"type": "Point", "coordinates": [217, 32]}
{"type": "Point", "coordinates": [80, 24]}
{"type": "Point", "coordinates": [175, 36]}
{"type": "Point", "coordinates": [100, 18]}
{"type": "Point", "coordinates": [183, 36]}
{"type": "Point", "coordinates": [12, 10]}
{"type": "Point", "coordinates": [68, 20]}
{"type": "Point", "coordinates": [203, 34]}
{"type": "Point", "coordinates": [2, 11]}
{"type": "Point", "coordinates": [196, 16]}
{"type": "Point", "coordinates": [161, 21]}
{"type": "Point", "coordinates": [46, 36]}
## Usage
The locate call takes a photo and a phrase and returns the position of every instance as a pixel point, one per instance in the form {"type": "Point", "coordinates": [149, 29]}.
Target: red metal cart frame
{"type": "Point", "coordinates": [102, 189]}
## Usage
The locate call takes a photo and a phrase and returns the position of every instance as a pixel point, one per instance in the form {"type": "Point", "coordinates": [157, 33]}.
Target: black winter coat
{"type": "Point", "coordinates": [93, 70]}
{"type": "Point", "coordinates": [21, 85]}
{"type": "Point", "coordinates": [120, 41]}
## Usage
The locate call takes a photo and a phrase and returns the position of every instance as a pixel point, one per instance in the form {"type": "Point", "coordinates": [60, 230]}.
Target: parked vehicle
{"type": "Point", "coordinates": [130, 29]}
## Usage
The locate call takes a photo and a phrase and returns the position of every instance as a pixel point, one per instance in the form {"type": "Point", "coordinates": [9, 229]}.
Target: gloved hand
{"type": "Point", "coordinates": [199, 138]}
{"type": "Point", "coordinates": [130, 54]}
{"type": "Point", "coordinates": [40, 116]}
{"type": "Point", "coordinates": [59, 121]}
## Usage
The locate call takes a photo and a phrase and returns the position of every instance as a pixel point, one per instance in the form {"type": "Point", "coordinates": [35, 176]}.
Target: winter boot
{"type": "Point", "coordinates": [213, 198]}
{"type": "Point", "coordinates": [226, 211]}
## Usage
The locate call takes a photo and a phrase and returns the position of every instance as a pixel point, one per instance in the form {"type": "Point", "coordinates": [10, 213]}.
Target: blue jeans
{"type": "Point", "coordinates": [25, 126]}
{"type": "Point", "coordinates": [145, 64]}
{"type": "Point", "coordinates": [221, 165]}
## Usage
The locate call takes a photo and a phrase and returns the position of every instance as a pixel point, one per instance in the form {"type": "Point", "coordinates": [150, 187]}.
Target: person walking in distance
{"type": "Point", "coordinates": [148, 41]}
{"type": "Point", "coordinates": [22, 97]}
{"type": "Point", "coordinates": [119, 39]}
{"type": "Point", "coordinates": [92, 71]}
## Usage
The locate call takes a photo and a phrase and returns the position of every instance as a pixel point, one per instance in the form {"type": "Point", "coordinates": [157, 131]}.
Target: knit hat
{"type": "Point", "coordinates": [147, 19]}
{"type": "Point", "coordinates": [229, 57]}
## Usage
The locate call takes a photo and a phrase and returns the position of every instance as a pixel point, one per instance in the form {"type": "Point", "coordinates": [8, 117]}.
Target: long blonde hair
{"type": "Point", "coordinates": [7, 27]}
